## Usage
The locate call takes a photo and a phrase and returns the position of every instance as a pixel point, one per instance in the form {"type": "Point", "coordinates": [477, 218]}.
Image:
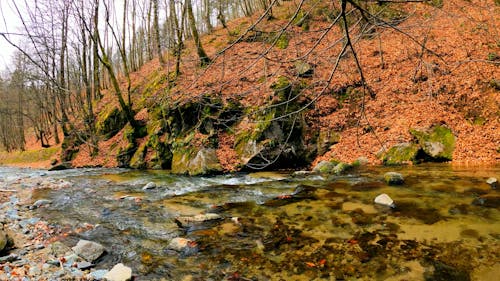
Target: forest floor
{"type": "Point", "coordinates": [452, 78]}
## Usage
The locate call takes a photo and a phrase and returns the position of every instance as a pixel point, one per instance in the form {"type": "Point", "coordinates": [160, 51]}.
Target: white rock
{"type": "Point", "coordinates": [150, 185]}
{"type": "Point", "coordinates": [384, 199]}
{"type": "Point", "coordinates": [493, 182]}
{"type": "Point", "coordinates": [119, 272]}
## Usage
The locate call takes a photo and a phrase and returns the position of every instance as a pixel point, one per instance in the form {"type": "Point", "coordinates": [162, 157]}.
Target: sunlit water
{"type": "Point", "coordinates": [335, 232]}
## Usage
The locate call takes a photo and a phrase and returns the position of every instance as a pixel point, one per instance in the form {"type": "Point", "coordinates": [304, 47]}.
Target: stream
{"type": "Point", "coordinates": [278, 225]}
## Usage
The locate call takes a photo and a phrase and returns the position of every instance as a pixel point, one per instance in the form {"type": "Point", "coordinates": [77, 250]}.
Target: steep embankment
{"type": "Point", "coordinates": [288, 100]}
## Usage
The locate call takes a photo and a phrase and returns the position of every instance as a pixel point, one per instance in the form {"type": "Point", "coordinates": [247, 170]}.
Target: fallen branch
{"type": "Point", "coordinates": [8, 190]}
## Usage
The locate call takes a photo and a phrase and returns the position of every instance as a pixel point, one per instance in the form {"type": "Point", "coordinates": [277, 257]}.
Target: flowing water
{"type": "Point", "coordinates": [281, 226]}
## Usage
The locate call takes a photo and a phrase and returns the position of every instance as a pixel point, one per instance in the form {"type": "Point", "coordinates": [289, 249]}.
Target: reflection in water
{"type": "Point", "coordinates": [285, 227]}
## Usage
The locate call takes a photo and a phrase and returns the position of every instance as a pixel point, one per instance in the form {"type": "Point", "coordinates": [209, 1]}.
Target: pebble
{"type": "Point", "coordinates": [150, 185]}
{"type": "Point", "coordinates": [385, 200]}
{"type": "Point", "coordinates": [119, 272]}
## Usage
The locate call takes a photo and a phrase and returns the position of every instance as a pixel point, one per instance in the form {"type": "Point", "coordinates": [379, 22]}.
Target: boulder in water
{"type": "Point", "coordinates": [393, 178]}
{"type": "Point", "coordinates": [493, 182]}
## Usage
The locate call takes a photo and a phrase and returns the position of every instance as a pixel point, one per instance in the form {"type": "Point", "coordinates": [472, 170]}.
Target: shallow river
{"type": "Point", "coordinates": [280, 226]}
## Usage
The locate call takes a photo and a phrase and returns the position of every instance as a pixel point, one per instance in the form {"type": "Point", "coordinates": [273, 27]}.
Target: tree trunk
{"type": "Point", "coordinates": [204, 59]}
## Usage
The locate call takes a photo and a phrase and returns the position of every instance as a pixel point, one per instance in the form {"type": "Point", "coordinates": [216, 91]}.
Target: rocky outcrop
{"type": "Point", "coordinates": [274, 137]}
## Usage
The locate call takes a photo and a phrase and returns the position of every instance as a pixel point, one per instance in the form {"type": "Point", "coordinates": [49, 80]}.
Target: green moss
{"type": "Point", "coordinates": [110, 121]}
{"type": "Point", "coordinates": [137, 160]}
{"type": "Point", "coordinates": [29, 156]}
{"type": "Point", "coordinates": [302, 20]}
{"type": "Point", "coordinates": [401, 154]}
{"type": "Point", "coordinates": [282, 41]}
{"type": "Point", "coordinates": [438, 143]}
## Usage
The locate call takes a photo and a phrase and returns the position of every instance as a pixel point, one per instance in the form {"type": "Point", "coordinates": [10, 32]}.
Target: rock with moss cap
{"type": "Point", "coordinates": [393, 178]}
{"type": "Point", "coordinates": [437, 143]}
{"type": "Point", "coordinates": [401, 153]}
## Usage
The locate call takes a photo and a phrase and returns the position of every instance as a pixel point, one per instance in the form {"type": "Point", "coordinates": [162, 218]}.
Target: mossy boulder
{"type": "Point", "coordinates": [402, 153]}
{"type": "Point", "coordinates": [437, 143]}
{"type": "Point", "coordinates": [195, 161]}
{"type": "Point", "coordinates": [333, 167]}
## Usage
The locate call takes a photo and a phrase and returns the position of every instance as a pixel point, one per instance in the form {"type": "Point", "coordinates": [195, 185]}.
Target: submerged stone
{"type": "Point", "coordinates": [393, 178]}
{"type": "Point", "coordinates": [488, 200]}
{"type": "Point", "coordinates": [183, 245]}
{"type": "Point", "coordinates": [201, 218]}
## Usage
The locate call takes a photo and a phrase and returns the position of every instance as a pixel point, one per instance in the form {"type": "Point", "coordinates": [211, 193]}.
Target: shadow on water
{"type": "Point", "coordinates": [284, 227]}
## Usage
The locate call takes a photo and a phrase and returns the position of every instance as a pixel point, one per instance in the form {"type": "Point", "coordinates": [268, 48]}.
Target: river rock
{"type": "Point", "coordinates": [84, 265]}
{"type": "Point", "coordinates": [3, 240]}
{"type": "Point", "coordinates": [324, 167]}
{"type": "Point", "coordinates": [493, 182]}
{"type": "Point", "coordinates": [150, 185]}
{"type": "Point", "coordinates": [385, 200]}
{"type": "Point", "coordinates": [183, 245]}
{"type": "Point", "coordinates": [88, 250]}
{"type": "Point", "coordinates": [119, 272]}
{"type": "Point", "coordinates": [59, 249]}
{"type": "Point", "coordinates": [188, 221]}
{"type": "Point", "coordinates": [97, 275]}
{"type": "Point", "coordinates": [393, 178]}
{"type": "Point", "coordinates": [61, 167]}
{"type": "Point", "coordinates": [41, 202]}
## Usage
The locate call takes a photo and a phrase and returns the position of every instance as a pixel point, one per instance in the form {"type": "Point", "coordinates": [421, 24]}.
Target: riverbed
{"type": "Point", "coordinates": [445, 224]}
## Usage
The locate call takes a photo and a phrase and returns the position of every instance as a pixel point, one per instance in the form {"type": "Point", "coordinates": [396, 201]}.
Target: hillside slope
{"type": "Point", "coordinates": [273, 100]}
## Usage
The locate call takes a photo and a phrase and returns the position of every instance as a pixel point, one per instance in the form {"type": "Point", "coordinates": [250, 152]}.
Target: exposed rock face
{"type": "Point", "coordinates": [88, 250]}
{"type": "Point", "coordinates": [274, 137]}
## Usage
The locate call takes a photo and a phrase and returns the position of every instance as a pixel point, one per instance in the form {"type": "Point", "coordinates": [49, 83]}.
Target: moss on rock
{"type": "Point", "coordinates": [402, 153]}
{"type": "Point", "coordinates": [438, 143]}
